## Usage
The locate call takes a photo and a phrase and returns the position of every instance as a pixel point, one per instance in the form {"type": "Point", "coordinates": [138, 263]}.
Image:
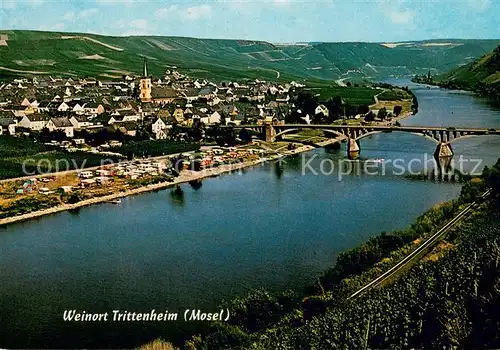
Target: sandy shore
{"type": "Point", "coordinates": [185, 176]}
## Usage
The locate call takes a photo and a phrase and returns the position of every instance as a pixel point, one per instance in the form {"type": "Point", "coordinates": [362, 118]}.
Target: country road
{"type": "Point", "coordinates": [428, 243]}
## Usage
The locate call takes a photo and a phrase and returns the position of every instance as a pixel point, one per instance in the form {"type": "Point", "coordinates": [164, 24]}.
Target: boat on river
{"type": "Point", "coordinates": [114, 201]}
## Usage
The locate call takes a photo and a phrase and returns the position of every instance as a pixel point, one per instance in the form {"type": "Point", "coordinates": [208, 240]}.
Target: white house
{"type": "Point", "coordinates": [321, 109]}
{"type": "Point", "coordinates": [33, 121]}
{"type": "Point", "coordinates": [62, 124]}
{"type": "Point", "coordinates": [80, 121]}
{"type": "Point", "coordinates": [160, 124]}
{"type": "Point", "coordinates": [63, 107]}
{"type": "Point", "coordinates": [215, 117]}
{"type": "Point", "coordinates": [93, 108]}
{"type": "Point", "coordinates": [77, 108]}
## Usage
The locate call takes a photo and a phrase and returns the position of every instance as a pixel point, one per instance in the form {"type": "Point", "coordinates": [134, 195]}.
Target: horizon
{"type": "Point", "coordinates": [278, 21]}
{"type": "Point", "coordinates": [4, 31]}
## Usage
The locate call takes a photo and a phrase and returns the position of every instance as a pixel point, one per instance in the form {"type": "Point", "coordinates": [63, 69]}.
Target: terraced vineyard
{"type": "Point", "coordinates": [74, 54]}
{"type": "Point", "coordinates": [449, 299]}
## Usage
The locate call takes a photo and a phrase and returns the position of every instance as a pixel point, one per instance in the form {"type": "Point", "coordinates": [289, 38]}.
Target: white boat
{"type": "Point", "coordinates": [114, 201]}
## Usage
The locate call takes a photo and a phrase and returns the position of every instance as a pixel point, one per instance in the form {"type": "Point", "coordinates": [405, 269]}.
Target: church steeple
{"type": "Point", "coordinates": [145, 68]}
{"type": "Point", "coordinates": [145, 84]}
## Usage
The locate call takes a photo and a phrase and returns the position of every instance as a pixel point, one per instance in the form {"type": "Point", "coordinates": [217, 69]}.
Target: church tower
{"type": "Point", "coordinates": [145, 84]}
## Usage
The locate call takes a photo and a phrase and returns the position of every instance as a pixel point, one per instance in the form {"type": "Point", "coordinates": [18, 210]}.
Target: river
{"type": "Point", "coordinates": [270, 226]}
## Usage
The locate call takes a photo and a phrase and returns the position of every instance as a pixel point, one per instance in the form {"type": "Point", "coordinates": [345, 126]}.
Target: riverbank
{"type": "Point", "coordinates": [184, 177]}
{"type": "Point", "coordinates": [296, 318]}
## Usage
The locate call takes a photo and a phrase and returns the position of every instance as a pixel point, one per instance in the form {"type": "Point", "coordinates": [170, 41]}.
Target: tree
{"type": "Point", "coordinates": [397, 110]}
{"type": "Point", "coordinates": [382, 113]}
{"type": "Point", "coordinates": [294, 117]}
{"type": "Point", "coordinates": [306, 102]}
{"type": "Point", "coordinates": [245, 135]}
{"type": "Point", "coordinates": [370, 117]}
{"type": "Point", "coordinates": [363, 109]}
{"type": "Point", "coordinates": [492, 177]}
{"type": "Point", "coordinates": [334, 106]}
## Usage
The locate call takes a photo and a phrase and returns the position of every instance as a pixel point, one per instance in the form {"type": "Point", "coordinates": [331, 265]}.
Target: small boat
{"type": "Point", "coordinates": [114, 201]}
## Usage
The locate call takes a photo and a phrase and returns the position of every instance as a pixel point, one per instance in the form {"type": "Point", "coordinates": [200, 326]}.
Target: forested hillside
{"type": "Point", "coordinates": [482, 75]}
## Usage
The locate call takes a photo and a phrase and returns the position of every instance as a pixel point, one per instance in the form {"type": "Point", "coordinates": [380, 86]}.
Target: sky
{"type": "Point", "coordinates": [277, 21]}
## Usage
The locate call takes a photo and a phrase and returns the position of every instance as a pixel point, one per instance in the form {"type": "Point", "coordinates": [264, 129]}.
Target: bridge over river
{"type": "Point", "coordinates": [443, 136]}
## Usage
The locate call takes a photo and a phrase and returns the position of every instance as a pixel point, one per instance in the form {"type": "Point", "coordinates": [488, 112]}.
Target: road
{"type": "Point", "coordinates": [428, 243]}
{"type": "Point", "coordinates": [388, 128]}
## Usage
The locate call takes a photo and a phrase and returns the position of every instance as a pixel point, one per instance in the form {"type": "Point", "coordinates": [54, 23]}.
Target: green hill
{"type": "Point", "coordinates": [77, 54]}
{"type": "Point", "coordinates": [482, 75]}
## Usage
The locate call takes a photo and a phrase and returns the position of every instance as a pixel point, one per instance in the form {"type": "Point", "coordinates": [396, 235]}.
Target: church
{"type": "Point", "coordinates": [145, 84]}
{"type": "Point", "coordinates": [156, 94]}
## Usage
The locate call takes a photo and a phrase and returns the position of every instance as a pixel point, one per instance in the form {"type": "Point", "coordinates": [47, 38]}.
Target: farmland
{"type": "Point", "coordinates": [351, 95]}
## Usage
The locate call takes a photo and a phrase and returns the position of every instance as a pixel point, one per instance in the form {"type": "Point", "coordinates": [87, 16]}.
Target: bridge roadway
{"type": "Point", "coordinates": [357, 132]}
{"type": "Point", "coordinates": [417, 129]}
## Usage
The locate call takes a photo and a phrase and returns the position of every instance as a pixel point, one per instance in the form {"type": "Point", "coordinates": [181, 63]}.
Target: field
{"type": "Point", "coordinates": [394, 95]}
{"type": "Point", "coordinates": [156, 148]}
{"type": "Point", "coordinates": [74, 54]}
{"type": "Point", "coordinates": [22, 157]}
{"type": "Point", "coordinates": [351, 95]}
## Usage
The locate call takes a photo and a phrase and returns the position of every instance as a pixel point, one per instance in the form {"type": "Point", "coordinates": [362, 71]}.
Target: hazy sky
{"type": "Point", "coordinates": [272, 20]}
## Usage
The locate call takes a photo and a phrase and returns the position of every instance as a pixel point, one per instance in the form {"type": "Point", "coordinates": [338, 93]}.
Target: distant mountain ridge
{"type": "Point", "coordinates": [80, 54]}
{"type": "Point", "coordinates": [482, 75]}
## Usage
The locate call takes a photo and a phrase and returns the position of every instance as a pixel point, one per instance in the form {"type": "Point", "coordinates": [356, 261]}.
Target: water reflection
{"type": "Point", "coordinates": [196, 184]}
{"type": "Point", "coordinates": [177, 195]}
{"type": "Point", "coordinates": [75, 211]}
{"type": "Point", "coordinates": [278, 170]}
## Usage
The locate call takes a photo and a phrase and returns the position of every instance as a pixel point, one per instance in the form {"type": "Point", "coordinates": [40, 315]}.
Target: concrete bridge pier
{"type": "Point", "coordinates": [443, 156]}
{"type": "Point", "coordinates": [352, 149]}
{"type": "Point", "coordinates": [270, 133]}
{"type": "Point", "coordinates": [443, 149]}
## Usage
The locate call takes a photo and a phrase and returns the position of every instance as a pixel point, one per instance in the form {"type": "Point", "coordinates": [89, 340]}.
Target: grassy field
{"type": "Point", "coordinates": [394, 95]}
{"type": "Point", "coordinates": [350, 95]}
{"type": "Point", "coordinates": [22, 157]}
{"type": "Point", "coordinates": [156, 148]}
{"type": "Point", "coordinates": [49, 162]}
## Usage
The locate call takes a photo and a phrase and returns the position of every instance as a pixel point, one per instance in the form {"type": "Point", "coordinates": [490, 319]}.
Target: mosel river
{"type": "Point", "coordinates": [276, 226]}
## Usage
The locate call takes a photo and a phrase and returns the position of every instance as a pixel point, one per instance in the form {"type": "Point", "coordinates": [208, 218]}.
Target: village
{"type": "Point", "coordinates": [74, 109]}
{"type": "Point", "coordinates": [73, 117]}
{"type": "Point", "coordinates": [77, 107]}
